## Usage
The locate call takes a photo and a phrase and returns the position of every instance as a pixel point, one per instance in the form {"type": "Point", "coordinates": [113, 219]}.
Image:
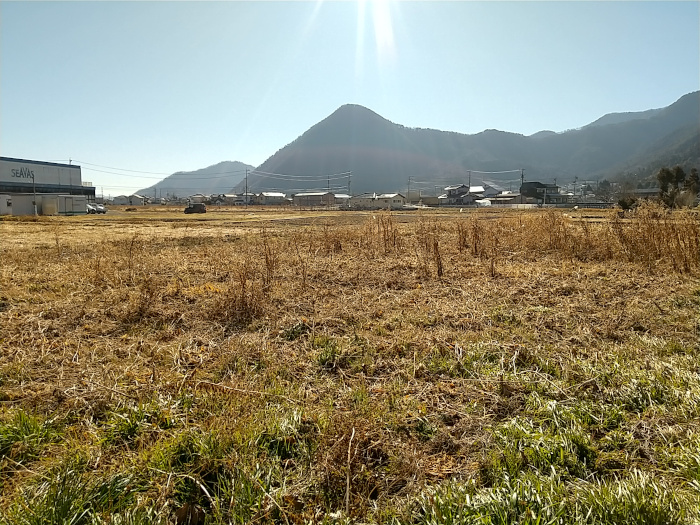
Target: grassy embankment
{"type": "Point", "coordinates": [434, 368]}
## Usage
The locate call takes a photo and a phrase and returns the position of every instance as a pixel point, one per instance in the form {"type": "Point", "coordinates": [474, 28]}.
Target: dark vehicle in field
{"type": "Point", "coordinates": [196, 207]}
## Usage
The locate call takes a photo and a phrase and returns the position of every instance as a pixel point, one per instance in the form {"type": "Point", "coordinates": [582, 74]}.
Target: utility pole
{"type": "Point", "coordinates": [522, 181]}
{"type": "Point", "coordinates": [349, 181]}
{"type": "Point", "coordinates": [408, 196]}
{"type": "Point", "coordinates": [470, 180]}
{"type": "Point", "coordinates": [245, 195]}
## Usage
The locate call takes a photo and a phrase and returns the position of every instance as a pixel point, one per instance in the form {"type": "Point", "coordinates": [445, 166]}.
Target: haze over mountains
{"type": "Point", "coordinates": [382, 155]}
{"type": "Point", "coordinates": [216, 179]}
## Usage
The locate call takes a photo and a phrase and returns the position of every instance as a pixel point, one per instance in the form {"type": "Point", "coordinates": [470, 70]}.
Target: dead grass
{"type": "Point", "coordinates": [338, 364]}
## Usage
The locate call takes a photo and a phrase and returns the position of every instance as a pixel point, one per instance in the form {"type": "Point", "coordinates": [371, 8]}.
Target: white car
{"type": "Point", "coordinates": [96, 208]}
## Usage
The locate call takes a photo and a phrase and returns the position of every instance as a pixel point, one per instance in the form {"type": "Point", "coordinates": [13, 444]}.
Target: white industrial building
{"type": "Point", "coordinates": [47, 188]}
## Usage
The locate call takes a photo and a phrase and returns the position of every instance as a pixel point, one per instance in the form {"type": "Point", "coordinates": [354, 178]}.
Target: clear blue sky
{"type": "Point", "coordinates": [177, 86]}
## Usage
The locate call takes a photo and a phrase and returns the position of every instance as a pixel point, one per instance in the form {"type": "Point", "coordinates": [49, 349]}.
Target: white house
{"type": "Point", "coordinates": [390, 200]}
{"type": "Point", "coordinates": [131, 200]}
{"type": "Point", "coordinates": [372, 201]}
{"type": "Point", "coordinates": [271, 198]}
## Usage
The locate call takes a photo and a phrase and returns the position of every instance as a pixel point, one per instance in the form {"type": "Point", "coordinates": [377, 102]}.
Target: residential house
{"type": "Point", "coordinates": [505, 198]}
{"type": "Point", "coordinates": [390, 200]}
{"type": "Point", "coordinates": [244, 199]}
{"type": "Point", "coordinates": [271, 198]}
{"type": "Point", "coordinates": [130, 200]}
{"type": "Point", "coordinates": [342, 199]}
{"type": "Point", "coordinates": [372, 201]}
{"type": "Point", "coordinates": [458, 195]}
{"type": "Point", "coordinates": [541, 193]}
{"type": "Point", "coordinates": [198, 198]}
{"type": "Point", "coordinates": [314, 199]}
{"type": "Point", "coordinates": [364, 201]}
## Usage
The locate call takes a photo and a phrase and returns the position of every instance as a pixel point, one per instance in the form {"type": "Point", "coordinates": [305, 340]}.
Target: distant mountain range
{"type": "Point", "coordinates": [216, 179]}
{"type": "Point", "coordinates": [382, 156]}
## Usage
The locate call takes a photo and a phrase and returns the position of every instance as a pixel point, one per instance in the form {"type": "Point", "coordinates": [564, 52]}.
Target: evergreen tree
{"type": "Point", "coordinates": [692, 183]}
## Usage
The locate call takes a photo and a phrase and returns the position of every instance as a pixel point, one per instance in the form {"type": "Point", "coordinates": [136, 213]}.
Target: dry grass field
{"type": "Point", "coordinates": [282, 366]}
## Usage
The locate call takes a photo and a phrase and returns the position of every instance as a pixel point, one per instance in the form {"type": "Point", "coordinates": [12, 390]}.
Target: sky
{"type": "Point", "coordinates": [133, 91]}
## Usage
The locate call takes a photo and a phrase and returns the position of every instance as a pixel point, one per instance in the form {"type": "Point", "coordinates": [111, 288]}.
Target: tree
{"type": "Point", "coordinates": [605, 190]}
{"type": "Point", "coordinates": [692, 183]}
{"type": "Point", "coordinates": [676, 188]}
{"type": "Point", "coordinates": [664, 176]}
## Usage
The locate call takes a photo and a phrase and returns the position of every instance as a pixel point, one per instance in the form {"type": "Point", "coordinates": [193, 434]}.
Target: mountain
{"type": "Point", "coordinates": [216, 179]}
{"type": "Point", "coordinates": [382, 155]}
{"type": "Point", "coordinates": [617, 118]}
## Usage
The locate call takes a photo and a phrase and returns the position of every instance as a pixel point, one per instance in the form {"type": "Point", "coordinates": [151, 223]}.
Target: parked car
{"type": "Point", "coordinates": [196, 207]}
{"type": "Point", "coordinates": [96, 208]}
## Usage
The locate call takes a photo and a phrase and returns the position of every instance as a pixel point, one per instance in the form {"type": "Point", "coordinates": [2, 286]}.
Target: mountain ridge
{"type": "Point", "coordinates": [382, 155]}
{"type": "Point", "coordinates": [215, 179]}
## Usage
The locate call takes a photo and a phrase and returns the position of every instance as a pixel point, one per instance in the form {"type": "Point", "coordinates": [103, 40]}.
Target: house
{"type": "Point", "coordinates": [459, 195]}
{"type": "Point", "coordinates": [455, 191]}
{"type": "Point", "coordinates": [131, 200]}
{"type": "Point", "coordinates": [198, 198]}
{"type": "Point", "coordinates": [364, 201]}
{"type": "Point", "coordinates": [487, 190]}
{"type": "Point", "coordinates": [244, 199]}
{"type": "Point", "coordinates": [505, 198]}
{"type": "Point", "coordinates": [372, 201]}
{"type": "Point", "coordinates": [542, 193]}
{"type": "Point", "coordinates": [229, 198]}
{"type": "Point", "coordinates": [429, 200]}
{"type": "Point", "coordinates": [390, 200]}
{"type": "Point", "coordinates": [120, 200]}
{"type": "Point", "coordinates": [271, 198]}
{"type": "Point", "coordinates": [314, 199]}
{"type": "Point", "coordinates": [342, 199]}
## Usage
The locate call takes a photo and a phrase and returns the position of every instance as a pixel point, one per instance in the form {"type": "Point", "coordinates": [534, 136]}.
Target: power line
{"type": "Point", "coordinates": [286, 179]}
{"type": "Point", "coordinates": [495, 172]}
{"type": "Point", "coordinates": [122, 169]}
{"type": "Point", "coordinates": [303, 178]}
{"type": "Point", "coordinates": [179, 174]}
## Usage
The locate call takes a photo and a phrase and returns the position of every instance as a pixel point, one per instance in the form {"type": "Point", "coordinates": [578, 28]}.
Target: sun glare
{"type": "Point", "coordinates": [380, 12]}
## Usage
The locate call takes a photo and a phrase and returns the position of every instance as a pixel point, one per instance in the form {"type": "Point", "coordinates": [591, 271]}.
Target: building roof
{"type": "Point", "coordinates": [389, 195]}
{"type": "Point", "coordinates": [41, 163]}
{"type": "Point", "coordinates": [273, 194]}
{"type": "Point", "coordinates": [365, 196]}
{"type": "Point", "coordinates": [313, 194]}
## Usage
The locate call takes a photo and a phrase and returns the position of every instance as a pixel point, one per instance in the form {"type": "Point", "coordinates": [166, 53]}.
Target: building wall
{"type": "Point", "coordinates": [49, 204]}
{"type": "Point", "coordinates": [326, 199]}
{"type": "Point", "coordinates": [28, 176]}
{"type": "Point", "coordinates": [5, 204]}
{"type": "Point", "coordinates": [363, 202]}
